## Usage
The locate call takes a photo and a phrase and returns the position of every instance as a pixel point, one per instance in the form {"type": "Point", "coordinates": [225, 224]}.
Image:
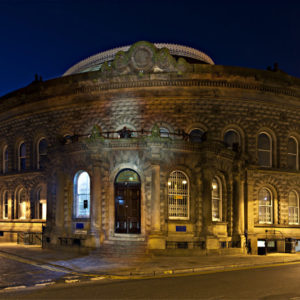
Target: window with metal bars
{"type": "Point", "coordinates": [216, 197]}
{"type": "Point", "coordinates": [293, 208]}
{"type": "Point", "coordinates": [178, 196]}
{"type": "Point", "coordinates": [265, 203]}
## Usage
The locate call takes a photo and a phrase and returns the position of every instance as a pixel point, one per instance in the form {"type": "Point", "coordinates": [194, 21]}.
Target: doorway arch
{"type": "Point", "coordinates": [127, 202]}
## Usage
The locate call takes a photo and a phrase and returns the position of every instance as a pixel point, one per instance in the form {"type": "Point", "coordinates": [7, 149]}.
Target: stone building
{"type": "Point", "coordinates": [155, 146]}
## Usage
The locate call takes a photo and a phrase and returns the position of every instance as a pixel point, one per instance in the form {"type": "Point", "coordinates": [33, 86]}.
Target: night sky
{"type": "Point", "coordinates": [48, 37]}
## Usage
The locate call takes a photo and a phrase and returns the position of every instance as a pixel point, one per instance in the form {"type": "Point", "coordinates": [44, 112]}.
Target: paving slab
{"type": "Point", "coordinates": [97, 264]}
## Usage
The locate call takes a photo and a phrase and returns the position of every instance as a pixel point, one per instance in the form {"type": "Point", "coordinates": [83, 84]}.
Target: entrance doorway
{"type": "Point", "coordinates": [127, 202]}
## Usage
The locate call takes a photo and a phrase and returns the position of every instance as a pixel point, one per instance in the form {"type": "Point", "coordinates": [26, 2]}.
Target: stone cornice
{"type": "Point", "coordinates": [184, 83]}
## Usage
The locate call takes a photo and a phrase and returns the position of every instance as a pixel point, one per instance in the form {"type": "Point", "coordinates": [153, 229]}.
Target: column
{"type": "Point", "coordinates": [96, 207]}
{"type": "Point", "coordinates": [155, 192]}
{"type": "Point", "coordinates": [156, 239]}
{"type": "Point", "coordinates": [207, 203]}
{"type": "Point", "coordinates": [212, 242]}
{"type": "Point", "coordinates": [60, 193]}
{"type": "Point", "coordinates": [239, 209]}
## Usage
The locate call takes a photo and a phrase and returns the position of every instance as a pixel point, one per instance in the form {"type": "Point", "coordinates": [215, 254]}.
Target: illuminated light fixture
{"type": "Point", "coordinates": [130, 178]}
{"type": "Point", "coordinates": [169, 183]}
{"type": "Point", "coordinates": [214, 186]}
{"type": "Point", "coordinates": [184, 182]}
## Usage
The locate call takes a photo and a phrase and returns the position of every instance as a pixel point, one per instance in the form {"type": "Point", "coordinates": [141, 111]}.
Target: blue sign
{"type": "Point", "coordinates": [181, 228]}
{"type": "Point", "coordinates": [79, 225]}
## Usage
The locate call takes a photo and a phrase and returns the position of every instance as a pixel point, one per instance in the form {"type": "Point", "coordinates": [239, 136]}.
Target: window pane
{"type": "Point", "coordinates": [292, 161]}
{"type": "Point", "coordinates": [178, 195]}
{"type": "Point", "coordinates": [22, 204]}
{"type": "Point", "coordinates": [292, 146]}
{"type": "Point", "coordinates": [128, 176]}
{"type": "Point", "coordinates": [43, 147]}
{"type": "Point", "coordinates": [216, 200]}
{"type": "Point", "coordinates": [22, 156]}
{"type": "Point", "coordinates": [164, 132]}
{"type": "Point", "coordinates": [293, 199]}
{"type": "Point", "coordinates": [264, 197]}
{"type": "Point", "coordinates": [82, 195]}
{"type": "Point", "coordinates": [22, 150]}
{"type": "Point", "coordinates": [196, 135]}
{"type": "Point", "coordinates": [231, 137]}
{"type": "Point", "coordinates": [265, 204]}
{"type": "Point", "coordinates": [264, 158]}
{"type": "Point", "coordinates": [264, 142]}
{"type": "Point", "coordinates": [5, 160]}
{"type": "Point", "coordinates": [5, 208]}
{"type": "Point", "coordinates": [293, 208]}
{"type": "Point", "coordinates": [83, 184]}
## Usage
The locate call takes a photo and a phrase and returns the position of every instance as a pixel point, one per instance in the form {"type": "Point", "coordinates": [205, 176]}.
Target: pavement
{"type": "Point", "coordinates": [95, 266]}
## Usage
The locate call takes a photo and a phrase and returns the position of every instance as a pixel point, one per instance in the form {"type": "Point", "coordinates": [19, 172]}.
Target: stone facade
{"type": "Point", "coordinates": [143, 89]}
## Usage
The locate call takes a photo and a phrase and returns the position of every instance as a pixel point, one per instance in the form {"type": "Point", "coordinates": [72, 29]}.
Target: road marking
{"type": "Point", "coordinates": [15, 287]}
{"type": "Point", "coordinates": [71, 280]}
{"type": "Point", "coordinates": [97, 278]}
{"type": "Point", "coordinates": [44, 284]}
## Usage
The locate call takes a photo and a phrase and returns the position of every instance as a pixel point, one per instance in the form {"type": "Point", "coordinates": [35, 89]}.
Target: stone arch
{"type": "Point", "coordinates": [274, 186]}
{"type": "Point", "coordinates": [237, 128]}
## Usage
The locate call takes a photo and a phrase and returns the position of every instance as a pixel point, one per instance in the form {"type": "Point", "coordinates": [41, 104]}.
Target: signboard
{"type": "Point", "coordinates": [181, 228]}
{"type": "Point", "coordinates": [79, 225]}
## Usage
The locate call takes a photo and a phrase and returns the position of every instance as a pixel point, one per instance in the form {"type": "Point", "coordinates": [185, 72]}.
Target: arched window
{"type": "Point", "coordinates": [216, 197]}
{"type": "Point", "coordinates": [265, 206]}
{"type": "Point", "coordinates": [41, 151]}
{"type": "Point", "coordinates": [178, 195]}
{"type": "Point", "coordinates": [22, 157]}
{"type": "Point", "coordinates": [293, 208]}
{"type": "Point", "coordinates": [164, 132]}
{"type": "Point", "coordinates": [21, 204]}
{"type": "Point", "coordinates": [232, 139]}
{"type": "Point", "coordinates": [5, 205]}
{"type": "Point", "coordinates": [264, 150]}
{"type": "Point", "coordinates": [292, 158]}
{"type": "Point", "coordinates": [82, 195]}
{"type": "Point", "coordinates": [41, 204]}
{"type": "Point", "coordinates": [5, 159]}
{"type": "Point", "coordinates": [196, 135]}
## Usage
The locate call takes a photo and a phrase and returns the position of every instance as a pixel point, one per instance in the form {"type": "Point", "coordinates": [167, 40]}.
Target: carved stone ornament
{"type": "Point", "coordinates": [143, 57]}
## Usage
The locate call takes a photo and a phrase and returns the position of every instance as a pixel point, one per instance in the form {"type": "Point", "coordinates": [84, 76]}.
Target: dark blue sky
{"type": "Point", "coordinates": [47, 37]}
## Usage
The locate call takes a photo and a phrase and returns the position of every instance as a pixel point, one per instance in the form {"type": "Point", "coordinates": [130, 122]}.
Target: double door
{"type": "Point", "coordinates": [127, 208]}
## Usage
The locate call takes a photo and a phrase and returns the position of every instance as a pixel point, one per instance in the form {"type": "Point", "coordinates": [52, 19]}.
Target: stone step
{"type": "Point", "coordinates": [121, 248]}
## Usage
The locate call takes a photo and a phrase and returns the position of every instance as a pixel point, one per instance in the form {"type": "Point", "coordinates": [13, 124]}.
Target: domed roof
{"type": "Point", "coordinates": [93, 63]}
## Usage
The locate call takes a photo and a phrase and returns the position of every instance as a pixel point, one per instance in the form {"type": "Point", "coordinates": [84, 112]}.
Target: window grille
{"type": "Point", "coordinates": [82, 194]}
{"type": "Point", "coordinates": [265, 203]}
{"type": "Point", "coordinates": [264, 150]}
{"type": "Point", "coordinates": [216, 200]}
{"type": "Point", "coordinates": [178, 196]}
{"type": "Point", "coordinates": [293, 208]}
{"type": "Point", "coordinates": [292, 153]}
